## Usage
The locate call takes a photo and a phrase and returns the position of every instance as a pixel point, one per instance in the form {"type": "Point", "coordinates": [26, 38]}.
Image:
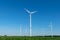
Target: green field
{"type": "Point", "coordinates": [29, 38]}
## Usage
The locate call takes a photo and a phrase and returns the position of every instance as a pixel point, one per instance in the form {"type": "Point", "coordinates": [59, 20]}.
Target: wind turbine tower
{"type": "Point", "coordinates": [51, 27]}
{"type": "Point", "coordinates": [30, 14]}
{"type": "Point", "coordinates": [20, 30]}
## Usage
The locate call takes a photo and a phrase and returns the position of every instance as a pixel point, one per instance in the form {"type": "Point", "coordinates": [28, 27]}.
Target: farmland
{"type": "Point", "coordinates": [29, 38]}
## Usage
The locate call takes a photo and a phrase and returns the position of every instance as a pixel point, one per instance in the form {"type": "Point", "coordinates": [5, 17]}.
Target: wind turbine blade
{"type": "Point", "coordinates": [33, 12]}
{"type": "Point", "coordinates": [27, 10]}
{"type": "Point", "coordinates": [50, 24]}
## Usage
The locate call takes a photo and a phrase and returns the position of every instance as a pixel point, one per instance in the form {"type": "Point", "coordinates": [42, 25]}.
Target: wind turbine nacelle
{"type": "Point", "coordinates": [29, 11]}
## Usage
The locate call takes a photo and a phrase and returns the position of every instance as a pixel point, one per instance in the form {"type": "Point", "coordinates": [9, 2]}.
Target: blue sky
{"type": "Point", "coordinates": [12, 15]}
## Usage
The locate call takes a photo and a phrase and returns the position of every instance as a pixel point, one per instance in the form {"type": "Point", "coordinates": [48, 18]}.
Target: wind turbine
{"type": "Point", "coordinates": [30, 13]}
{"type": "Point", "coordinates": [51, 28]}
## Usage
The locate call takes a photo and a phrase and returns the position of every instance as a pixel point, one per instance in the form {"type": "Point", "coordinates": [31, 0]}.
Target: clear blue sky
{"type": "Point", "coordinates": [12, 15]}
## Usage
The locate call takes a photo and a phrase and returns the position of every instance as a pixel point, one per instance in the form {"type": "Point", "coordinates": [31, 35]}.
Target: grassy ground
{"type": "Point", "coordinates": [28, 38]}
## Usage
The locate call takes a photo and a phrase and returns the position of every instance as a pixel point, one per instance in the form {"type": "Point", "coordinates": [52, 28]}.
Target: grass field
{"type": "Point", "coordinates": [29, 38]}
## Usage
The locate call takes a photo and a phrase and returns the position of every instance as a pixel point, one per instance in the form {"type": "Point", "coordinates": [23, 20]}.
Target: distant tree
{"type": "Point", "coordinates": [5, 35]}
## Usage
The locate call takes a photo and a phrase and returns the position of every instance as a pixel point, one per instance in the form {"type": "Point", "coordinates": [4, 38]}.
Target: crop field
{"type": "Point", "coordinates": [29, 38]}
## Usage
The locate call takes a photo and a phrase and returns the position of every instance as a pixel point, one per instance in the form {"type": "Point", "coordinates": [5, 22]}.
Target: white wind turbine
{"type": "Point", "coordinates": [30, 13]}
